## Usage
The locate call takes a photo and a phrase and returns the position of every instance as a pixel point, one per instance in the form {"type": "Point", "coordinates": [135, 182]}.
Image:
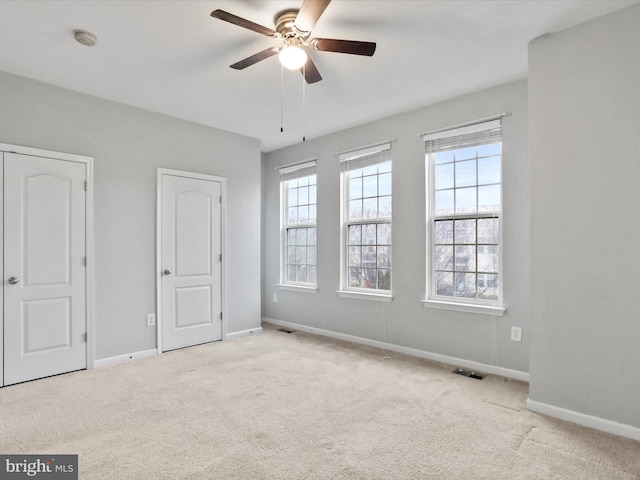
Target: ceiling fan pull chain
{"type": "Point", "coordinates": [281, 98]}
{"type": "Point", "coordinates": [304, 101]}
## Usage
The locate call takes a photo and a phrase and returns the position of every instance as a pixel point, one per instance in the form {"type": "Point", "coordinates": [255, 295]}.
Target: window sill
{"type": "Point", "coordinates": [497, 311]}
{"type": "Point", "coordinates": [377, 297]}
{"type": "Point", "coordinates": [297, 288]}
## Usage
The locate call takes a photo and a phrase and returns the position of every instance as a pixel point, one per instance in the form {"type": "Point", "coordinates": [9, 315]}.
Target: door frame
{"type": "Point", "coordinates": [223, 234]}
{"type": "Point", "coordinates": [89, 279]}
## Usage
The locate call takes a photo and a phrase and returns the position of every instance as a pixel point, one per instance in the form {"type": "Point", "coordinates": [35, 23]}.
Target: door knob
{"type": "Point", "coordinates": [166, 272]}
{"type": "Point", "coordinates": [13, 280]}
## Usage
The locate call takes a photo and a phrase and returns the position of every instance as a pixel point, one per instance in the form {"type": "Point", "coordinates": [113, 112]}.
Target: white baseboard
{"type": "Point", "coordinates": [436, 357]}
{"type": "Point", "coordinates": [243, 333]}
{"type": "Point", "coordinates": [597, 423]}
{"type": "Point", "coordinates": [103, 362]}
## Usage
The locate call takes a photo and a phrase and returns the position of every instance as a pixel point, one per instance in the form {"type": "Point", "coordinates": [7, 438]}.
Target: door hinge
{"type": "Point", "coordinates": [84, 261]}
{"type": "Point", "coordinates": [86, 186]}
{"type": "Point", "coordinates": [220, 198]}
{"type": "Point", "coordinates": [84, 337]}
{"type": "Point", "coordinates": [220, 257]}
{"type": "Point", "coordinates": [220, 315]}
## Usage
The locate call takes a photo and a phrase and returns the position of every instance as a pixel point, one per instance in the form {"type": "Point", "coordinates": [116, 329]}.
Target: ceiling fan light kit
{"type": "Point", "coordinates": [293, 28]}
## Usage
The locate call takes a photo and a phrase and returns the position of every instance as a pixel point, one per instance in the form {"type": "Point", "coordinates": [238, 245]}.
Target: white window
{"type": "Point", "coordinates": [298, 255]}
{"type": "Point", "coordinates": [465, 206]}
{"type": "Point", "coordinates": [366, 225]}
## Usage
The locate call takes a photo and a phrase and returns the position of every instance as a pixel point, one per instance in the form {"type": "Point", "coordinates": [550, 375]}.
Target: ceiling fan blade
{"type": "Point", "coordinates": [309, 14]}
{"type": "Point", "coordinates": [344, 46]}
{"type": "Point", "coordinates": [247, 62]}
{"type": "Point", "coordinates": [310, 72]}
{"type": "Point", "coordinates": [243, 22]}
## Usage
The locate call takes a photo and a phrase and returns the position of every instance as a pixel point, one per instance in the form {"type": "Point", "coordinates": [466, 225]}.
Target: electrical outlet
{"type": "Point", "coordinates": [151, 319]}
{"type": "Point", "coordinates": [516, 334]}
{"type": "Point", "coordinates": [275, 298]}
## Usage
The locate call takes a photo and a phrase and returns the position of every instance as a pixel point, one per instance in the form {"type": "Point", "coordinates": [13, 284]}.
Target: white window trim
{"type": "Point", "coordinates": [284, 285]}
{"type": "Point", "coordinates": [345, 291]}
{"type": "Point", "coordinates": [477, 306]}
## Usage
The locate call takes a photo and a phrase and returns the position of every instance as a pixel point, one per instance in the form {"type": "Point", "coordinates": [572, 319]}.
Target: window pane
{"type": "Point", "coordinates": [291, 273]}
{"type": "Point", "coordinates": [384, 257]}
{"type": "Point", "coordinates": [465, 200]}
{"type": "Point", "coordinates": [444, 258]}
{"type": "Point", "coordinates": [370, 208]}
{"type": "Point", "coordinates": [293, 215]}
{"type": "Point", "coordinates": [369, 234]}
{"type": "Point", "coordinates": [355, 277]}
{"type": "Point", "coordinates": [303, 181]}
{"type": "Point", "coordinates": [312, 194]}
{"type": "Point", "coordinates": [369, 257]}
{"type": "Point", "coordinates": [465, 231]}
{"type": "Point", "coordinates": [303, 196]}
{"type": "Point", "coordinates": [443, 232]}
{"type": "Point", "coordinates": [301, 273]}
{"type": "Point", "coordinates": [292, 183]}
{"type": "Point", "coordinates": [384, 234]}
{"type": "Point", "coordinates": [465, 285]}
{"type": "Point", "coordinates": [489, 198]}
{"type": "Point", "coordinates": [488, 258]}
{"type": "Point", "coordinates": [384, 184]}
{"type": "Point", "coordinates": [465, 260]}
{"type": "Point", "coordinates": [444, 176]}
{"type": "Point", "coordinates": [444, 283]}
{"type": "Point", "coordinates": [370, 186]}
{"type": "Point", "coordinates": [355, 209]}
{"type": "Point", "coordinates": [488, 230]}
{"type": "Point", "coordinates": [312, 214]}
{"type": "Point", "coordinates": [355, 256]}
{"type": "Point", "coordinates": [291, 236]}
{"type": "Point", "coordinates": [370, 170]}
{"type": "Point", "coordinates": [465, 153]}
{"type": "Point", "coordinates": [369, 278]}
{"type": "Point", "coordinates": [466, 173]}
{"type": "Point", "coordinates": [384, 167]}
{"type": "Point", "coordinates": [488, 170]}
{"type": "Point", "coordinates": [311, 255]}
{"type": "Point", "coordinates": [384, 207]}
{"type": "Point", "coordinates": [301, 236]}
{"type": "Point", "coordinates": [301, 255]}
{"type": "Point", "coordinates": [355, 235]}
{"type": "Point", "coordinates": [488, 286]}
{"type": "Point", "coordinates": [355, 187]}
{"type": "Point", "coordinates": [384, 279]}
{"type": "Point", "coordinates": [490, 149]}
{"type": "Point", "coordinates": [444, 202]}
{"type": "Point", "coordinates": [291, 254]}
{"type": "Point", "coordinates": [443, 157]}
{"type": "Point", "coordinates": [303, 214]}
{"type": "Point", "coordinates": [292, 197]}
{"type": "Point", "coordinates": [311, 236]}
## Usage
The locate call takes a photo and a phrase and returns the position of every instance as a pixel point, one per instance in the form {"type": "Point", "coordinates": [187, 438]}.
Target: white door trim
{"type": "Point", "coordinates": [223, 221]}
{"type": "Point", "coordinates": [88, 162]}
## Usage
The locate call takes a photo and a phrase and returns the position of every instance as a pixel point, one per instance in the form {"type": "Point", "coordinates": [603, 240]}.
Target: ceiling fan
{"type": "Point", "coordinates": [293, 28]}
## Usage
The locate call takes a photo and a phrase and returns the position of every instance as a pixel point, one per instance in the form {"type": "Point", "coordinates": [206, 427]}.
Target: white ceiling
{"type": "Point", "coordinates": [173, 57]}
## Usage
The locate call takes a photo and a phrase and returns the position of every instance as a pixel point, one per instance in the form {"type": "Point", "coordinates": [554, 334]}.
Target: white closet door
{"type": "Point", "coordinates": [190, 261]}
{"type": "Point", "coordinates": [44, 267]}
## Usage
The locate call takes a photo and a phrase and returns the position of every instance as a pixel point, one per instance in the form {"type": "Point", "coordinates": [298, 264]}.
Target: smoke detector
{"type": "Point", "coordinates": [85, 38]}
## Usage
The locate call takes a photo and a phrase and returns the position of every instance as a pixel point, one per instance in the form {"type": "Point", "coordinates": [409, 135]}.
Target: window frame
{"type": "Point", "coordinates": [351, 161]}
{"type": "Point", "coordinates": [288, 173]}
{"type": "Point", "coordinates": [459, 303]}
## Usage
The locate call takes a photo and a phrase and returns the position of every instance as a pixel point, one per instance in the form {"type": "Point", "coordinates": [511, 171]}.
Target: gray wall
{"type": "Point", "coordinates": [585, 164]}
{"type": "Point", "coordinates": [407, 323]}
{"type": "Point", "coordinates": [128, 145]}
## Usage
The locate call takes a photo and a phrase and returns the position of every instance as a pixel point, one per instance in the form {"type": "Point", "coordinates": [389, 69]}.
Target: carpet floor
{"type": "Point", "coordinates": [298, 406]}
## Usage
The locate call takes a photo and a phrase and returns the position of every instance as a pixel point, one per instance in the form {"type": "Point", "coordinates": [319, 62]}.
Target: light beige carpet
{"type": "Point", "coordinates": [296, 406]}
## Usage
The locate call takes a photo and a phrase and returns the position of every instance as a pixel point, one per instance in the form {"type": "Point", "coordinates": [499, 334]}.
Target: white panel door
{"type": "Point", "coordinates": [190, 261]}
{"type": "Point", "coordinates": [44, 267]}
